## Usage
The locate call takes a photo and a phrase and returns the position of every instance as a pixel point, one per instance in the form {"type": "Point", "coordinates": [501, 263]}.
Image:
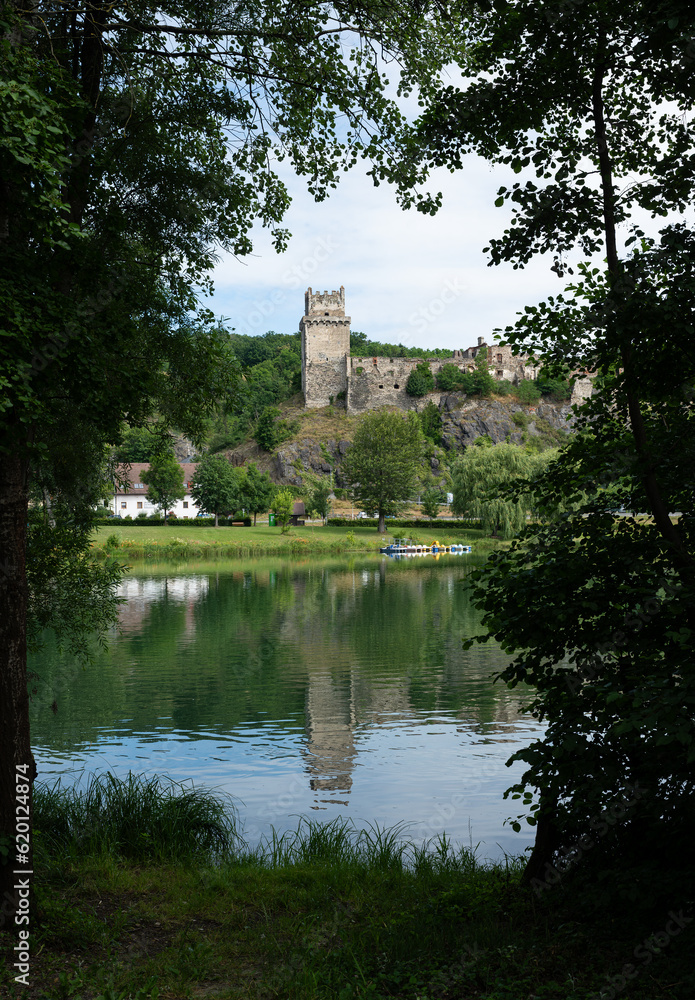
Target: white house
{"type": "Point", "coordinates": [131, 499]}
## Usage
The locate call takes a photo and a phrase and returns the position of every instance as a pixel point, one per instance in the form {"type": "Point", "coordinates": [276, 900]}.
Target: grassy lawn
{"type": "Point", "coordinates": [183, 541]}
{"type": "Point", "coordinates": [143, 899]}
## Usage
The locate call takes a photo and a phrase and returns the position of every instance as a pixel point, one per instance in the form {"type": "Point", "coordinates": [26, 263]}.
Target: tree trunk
{"type": "Point", "coordinates": [216, 520]}
{"type": "Point", "coordinates": [15, 746]}
{"type": "Point", "coordinates": [381, 527]}
{"type": "Point", "coordinates": [254, 518]}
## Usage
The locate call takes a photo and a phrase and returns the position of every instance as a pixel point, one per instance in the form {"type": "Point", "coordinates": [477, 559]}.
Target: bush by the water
{"type": "Point", "coordinates": [397, 522]}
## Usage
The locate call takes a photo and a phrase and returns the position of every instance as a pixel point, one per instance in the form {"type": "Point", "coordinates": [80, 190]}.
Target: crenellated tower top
{"type": "Point", "coordinates": [324, 303]}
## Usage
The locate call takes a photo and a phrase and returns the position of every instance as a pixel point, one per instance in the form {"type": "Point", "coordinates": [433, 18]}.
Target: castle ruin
{"type": "Point", "coordinates": [329, 373]}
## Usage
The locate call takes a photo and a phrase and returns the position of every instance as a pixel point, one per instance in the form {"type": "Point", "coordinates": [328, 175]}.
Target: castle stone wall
{"type": "Point", "coordinates": [375, 382]}
{"type": "Point", "coordinates": [368, 383]}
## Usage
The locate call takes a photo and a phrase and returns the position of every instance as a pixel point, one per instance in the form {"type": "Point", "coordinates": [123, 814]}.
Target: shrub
{"type": "Point", "coordinates": [558, 389]}
{"type": "Point", "coordinates": [504, 387]}
{"type": "Point", "coordinates": [450, 378]}
{"type": "Point", "coordinates": [527, 392]}
{"type": "Point", "coordinates": [420, 381]}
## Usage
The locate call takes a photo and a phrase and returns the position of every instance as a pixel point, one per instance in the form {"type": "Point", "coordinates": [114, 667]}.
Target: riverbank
{"type": "Point", "coordinates": [179, 542]}
{"type": "Point", "coordinates": [145, 892]}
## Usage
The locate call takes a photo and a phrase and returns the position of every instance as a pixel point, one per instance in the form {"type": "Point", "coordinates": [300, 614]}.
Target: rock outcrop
{"type": "Point", "coordinates": [464, 420]}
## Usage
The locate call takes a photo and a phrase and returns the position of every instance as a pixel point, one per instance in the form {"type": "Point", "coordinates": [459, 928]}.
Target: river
{"type": "Point", "coordinates": [299, 688]}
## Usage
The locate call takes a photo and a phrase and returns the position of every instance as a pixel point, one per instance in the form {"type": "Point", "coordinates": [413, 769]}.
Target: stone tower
{"type": "Point", "coordinates": [325, 331]}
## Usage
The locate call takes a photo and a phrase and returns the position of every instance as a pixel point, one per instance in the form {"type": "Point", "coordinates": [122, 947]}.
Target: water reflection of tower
{"type": "Point", "coordinates": [330, 723]}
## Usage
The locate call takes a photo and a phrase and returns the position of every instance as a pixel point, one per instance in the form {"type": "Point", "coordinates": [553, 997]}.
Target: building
{"type": "Point", "coordinates": [330, 374]}
{"type": "Point", "coordinates": [130, 496]}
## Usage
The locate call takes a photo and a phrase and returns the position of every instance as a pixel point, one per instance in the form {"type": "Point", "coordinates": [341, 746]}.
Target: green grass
{"type": "Point", "coordinates": [178, 542]}
{"type": "Point", "coordinates": [328, 912]}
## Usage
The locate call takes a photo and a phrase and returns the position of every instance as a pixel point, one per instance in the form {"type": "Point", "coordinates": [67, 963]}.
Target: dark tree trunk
{"type": "Point", "coordinates": [15, 745]}
{"type": "Point", "coordinates": [381, 527]}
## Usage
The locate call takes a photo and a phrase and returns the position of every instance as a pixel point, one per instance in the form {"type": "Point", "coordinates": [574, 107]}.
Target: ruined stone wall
{"type": "Point", "coordinates": [375, 382]}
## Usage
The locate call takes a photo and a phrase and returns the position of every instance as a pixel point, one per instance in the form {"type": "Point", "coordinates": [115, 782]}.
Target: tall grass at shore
{"type": "Point", "coordinates": [146, 890]}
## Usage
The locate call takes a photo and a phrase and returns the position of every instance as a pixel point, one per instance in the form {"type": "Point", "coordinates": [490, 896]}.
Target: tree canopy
{"type": "Point", "coordinates": [383, 462]}
{"type": "Point", "coordinates": [164, 480]}
{"type": "Point", "coordinates": [137, 143]}
{"type": "Point", "coordinates": [589, 105]}
{"type": "Point", "coordinates": [216, 486]}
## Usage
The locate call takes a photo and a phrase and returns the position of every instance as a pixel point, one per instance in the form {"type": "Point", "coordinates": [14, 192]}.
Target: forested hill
{"type": "Point", "coordinates": [272, 369]}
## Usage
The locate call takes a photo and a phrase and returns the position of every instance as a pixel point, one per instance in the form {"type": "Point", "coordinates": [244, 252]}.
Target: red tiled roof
{"type": "Point", "coordinates": [133, 474]}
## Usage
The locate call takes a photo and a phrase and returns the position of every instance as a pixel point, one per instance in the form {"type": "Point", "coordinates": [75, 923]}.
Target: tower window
{"type": "Point", "coordinates": [381, 387]}
{"type": "Point", "coordinates": [396, 386]}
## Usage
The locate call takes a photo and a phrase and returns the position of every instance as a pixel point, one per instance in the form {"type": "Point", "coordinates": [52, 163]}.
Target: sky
{"type": "Point", "coordinates": [409, 278]}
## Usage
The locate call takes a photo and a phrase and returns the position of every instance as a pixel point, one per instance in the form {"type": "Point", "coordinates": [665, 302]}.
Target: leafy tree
{"type": "Point", "coordinates": [528, 392]}
{"type": "Point", "coordinates": [597, 92]}
{"type": "Point", "coordinates": [216, 486]}
{"type": "Point", "coordinates": [257, 490]}
{"type": "Point", "coordinates": [267, 434]}
{"type": "Point", "coordinates": [431, 422]}
{"type": "Point", "coordinates": [480, 480]}
{"type": "Point", "coordinates": [283, 507]}
{"type": "Point", "coordinates": [317, 501]}
{"type": "Point", "coordinates": [482, 381]}
{"type": "Point", "coordinates": [432, 499]}
{"type": "Point", "coordinates": [420, 381]}
{"type": "Point", "coordinates": [164, 480]}
{"type": "Point", "coordinates": [450, 378]}
{"type": "Point", "coordinates": [383, 462]}
{"type": "Point", "coordinates": [135, 145]}
{"type": "Point", "coordinates": [138, 444]}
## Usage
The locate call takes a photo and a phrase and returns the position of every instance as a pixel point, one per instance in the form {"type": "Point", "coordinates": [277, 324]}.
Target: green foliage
{"type": "Point", "coordinates": [420, 381]}
{"type": "Point", "coordinates": [480, 480]}
{"type": "Point", "coordinates": [528, 392]}
{"type": "Point", "coordinates": [483, 381]}
{"type": "Point", "coordinates": [557, 389]}
{"type": "Point", "coordinates": [283, 506]}
{"type": "Point", "coordinates": [138, 444]}
{"type": "Point", "coordinates": [450, 379]}
{"type": "Point", "coordinates": [316, 501]}
{"type": "Point", "coordinates": [431, 422]}
{"type": "Point", "coordinates": [257, 490]}
{"type": "Point", "coordinates": [164, 480]}
{"type": "Point", "coordinates": [382, 464]}
{"type": "Point", "coordinates": [216, 487]}
{"type": "Point", "coordinates": [362, 347]}
{"type": "Point", "coordinates": [432, 499]}
{"type": "Point", "coordinates": [266, 432]}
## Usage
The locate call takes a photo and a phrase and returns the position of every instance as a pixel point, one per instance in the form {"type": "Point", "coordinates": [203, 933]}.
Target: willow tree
{"type": "Point", "coordinates": [481, 480]}
{"type": "Point", "coordinates": [137, 142]}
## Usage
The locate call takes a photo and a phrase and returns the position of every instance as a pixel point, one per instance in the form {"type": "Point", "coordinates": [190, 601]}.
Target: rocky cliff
{"type": "Point", "coordinates": [463, 421]}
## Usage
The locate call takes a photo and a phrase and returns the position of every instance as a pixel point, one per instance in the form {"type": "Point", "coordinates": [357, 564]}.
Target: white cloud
{"type": "Point", "coordinates": [398, 268]}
